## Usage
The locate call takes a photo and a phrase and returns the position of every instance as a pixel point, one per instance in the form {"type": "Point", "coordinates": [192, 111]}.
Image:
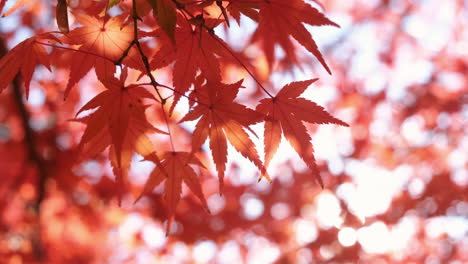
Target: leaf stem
{"type": "Point", "coordinates": [214, 36]}
{"type": "Point", "coordinates": [144, 58]}
{"type": "Point", "coordinates": [76, 50]}
{"type": "Point", "coordinates": [125, 54]}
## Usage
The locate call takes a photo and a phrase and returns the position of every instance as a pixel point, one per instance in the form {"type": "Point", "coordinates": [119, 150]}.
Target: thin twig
{"type": "Point", "coordinates": [214, 36]}
{"type": "Point", "coordinates": [144, 58]}
{"type": "Point", "coordinates": [76, 50]}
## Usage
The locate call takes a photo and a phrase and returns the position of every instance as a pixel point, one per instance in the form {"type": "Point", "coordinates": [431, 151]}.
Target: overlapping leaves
{"type": "Point", "coordinates": [222, 120]}
{"type": "Point", "coordinates": [120, 122]}
{"type": "Point", "coordinates": [187, 42]}
{"type": "Point", "coordinates": [174, 169]}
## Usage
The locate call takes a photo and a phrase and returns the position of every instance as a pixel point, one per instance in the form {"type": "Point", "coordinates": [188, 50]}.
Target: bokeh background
{"type": "Point", "coordinates": [396, 180]}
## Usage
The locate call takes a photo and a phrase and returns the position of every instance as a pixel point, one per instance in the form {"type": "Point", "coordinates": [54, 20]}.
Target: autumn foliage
{"type": "Point", "coordinates": [170, 116]}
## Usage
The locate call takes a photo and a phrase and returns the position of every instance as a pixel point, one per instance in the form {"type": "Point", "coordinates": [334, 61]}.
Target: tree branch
{"type": "Point", "coordinates": [33, 157]}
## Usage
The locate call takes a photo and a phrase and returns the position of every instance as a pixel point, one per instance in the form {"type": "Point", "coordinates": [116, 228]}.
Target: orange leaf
{"type": "Point", "coordinates": [246, 7]}
{"type": "Point", "coordinates": [193, 51]}
{"type": "Point", "coordinates": [175, 169]}
{"type": "Point", "coordinates": [281, 19]}
{"type": "Point", "coordinates": [24, 58]}
{"type": "Point", "coordinates": [222, 120]}
{"type": "Point", "coordinates": [285, 112]}
{"type": "Point", "coordinates": [102, 42]}
{"type": "Point", "coordinates": [119, 121]}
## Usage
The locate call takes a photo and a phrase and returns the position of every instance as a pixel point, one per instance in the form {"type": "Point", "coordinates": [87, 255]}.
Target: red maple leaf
{"type": "Point", "coordinates": [222, 120]}
{"type": "Point", "coordinates": [194, 49]}
{"type": "Point", "coordinates": [103, 41]}
{"type": "Point", "coordinates": [285, 113]}
{"type": "Point", "coordinates": [248, 8]}
{"type": "Point", "coordinates": [120, 122]}
{"type": "Point", "coordinates": [175, 168]}
{"type": "Point", "coordinates": [24, 58]}
{"type": "Point", "coordinates": [281, 19]}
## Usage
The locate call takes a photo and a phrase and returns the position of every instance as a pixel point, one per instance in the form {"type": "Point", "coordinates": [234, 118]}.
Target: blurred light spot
{"type": "Point", "coordinates": [230, 253]}
{"type": "Point", "coordinates": [4, 133]}
{"type": "Point", "coordinates": [458, 158]}
{"type": "Point", "coordinates": [460, 177]}
{"type": "Point", "coordinates": [427, 207]}
{"type": "Point", "coordinates": [217, 224]}
{"type": "Point", "coordinates": [413, 130]}
{"type": "Point", "coordinates": [36, 97]}
{"type": "Point", "coordinates": [63, 141]}
{"type": "Point", "coordinates": [380, 126]}
{"type": "Point", "coordinates": [261, 250]}
{"type": "Point", "coordinates": [304, 256]}
{"type": "Point", "coordinates": [131, 225]}
{"type": "Point", "coordinates": [347, 236]}
{"type": "Point", "coordinates": [455, 227]}
{"type": "Point", "coordinates": [280, 211]}
{"type": "Point", "coordinates": [262, 187]}
{"type": "Point", "coordinates": [452, 81]}
{"type": "Point", "coordinates": [176, 227]}
{"type": "Point", "coordinates": [462, 208]}
{"type": "Point", "coordinates": [305, 231]}
{"type": "Point", "coordinates": [416, 187]}
{"type": "Point", "coordinates": [15, 242]}
{"type": "Point", "coordinates": [403, 233]}
{"type": "Point", "coordinates": [308, 211]}
{"type": "Point", "coordinates": [252, 207]}
{"type": "Point", "coordinates": [180, 250]}
{"type": "Point", "coordinates": [336, 165]}
{"type": "Point", "coordinates": [216, 203]}
{"type": "Point", "coordinates": [153, 236]}
{"type": "Point", "coordinates": [374, 238]}
{"type": "Point", "coordinates": [204, 251]}
{"type": "Point", "coordinates": [443, 120]}
{"type": "Point", "coordinates": [80, 198]}
{"type": "Point", "coordinates": [326, 252]}
{"type": "Point", "coordinates": [93, 170]}
{"type": "Point", "coordinates": [328, 210]}
{"type": "Point", "coordinates": [375, 82]}
{"type": "Point", "coordinates": [140, 170]}
{"type": "Point", "coordinates": [375, 186]}
{"type": "Point", "coordinates": [41, 122]}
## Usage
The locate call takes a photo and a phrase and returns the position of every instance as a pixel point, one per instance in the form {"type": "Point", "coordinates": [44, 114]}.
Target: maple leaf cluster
{"type": "Point", "coordinates": [180, 37]}
{"type": "Point", "coordinates": [161, 105]}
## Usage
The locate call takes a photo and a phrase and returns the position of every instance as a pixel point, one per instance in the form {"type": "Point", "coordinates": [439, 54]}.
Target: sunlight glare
{"type": "Point", "coordinates": [204, 251]}
{"type": "Point", "coordinates": [347, 236]}
{"type": "Point", "coordinates": [328, 210]}
{"type": "Point", "coordinates": [306, 231]}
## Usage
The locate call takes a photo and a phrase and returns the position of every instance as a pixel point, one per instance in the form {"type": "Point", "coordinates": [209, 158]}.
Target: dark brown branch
{"type": "Point", "coordinates": [33, 157]}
